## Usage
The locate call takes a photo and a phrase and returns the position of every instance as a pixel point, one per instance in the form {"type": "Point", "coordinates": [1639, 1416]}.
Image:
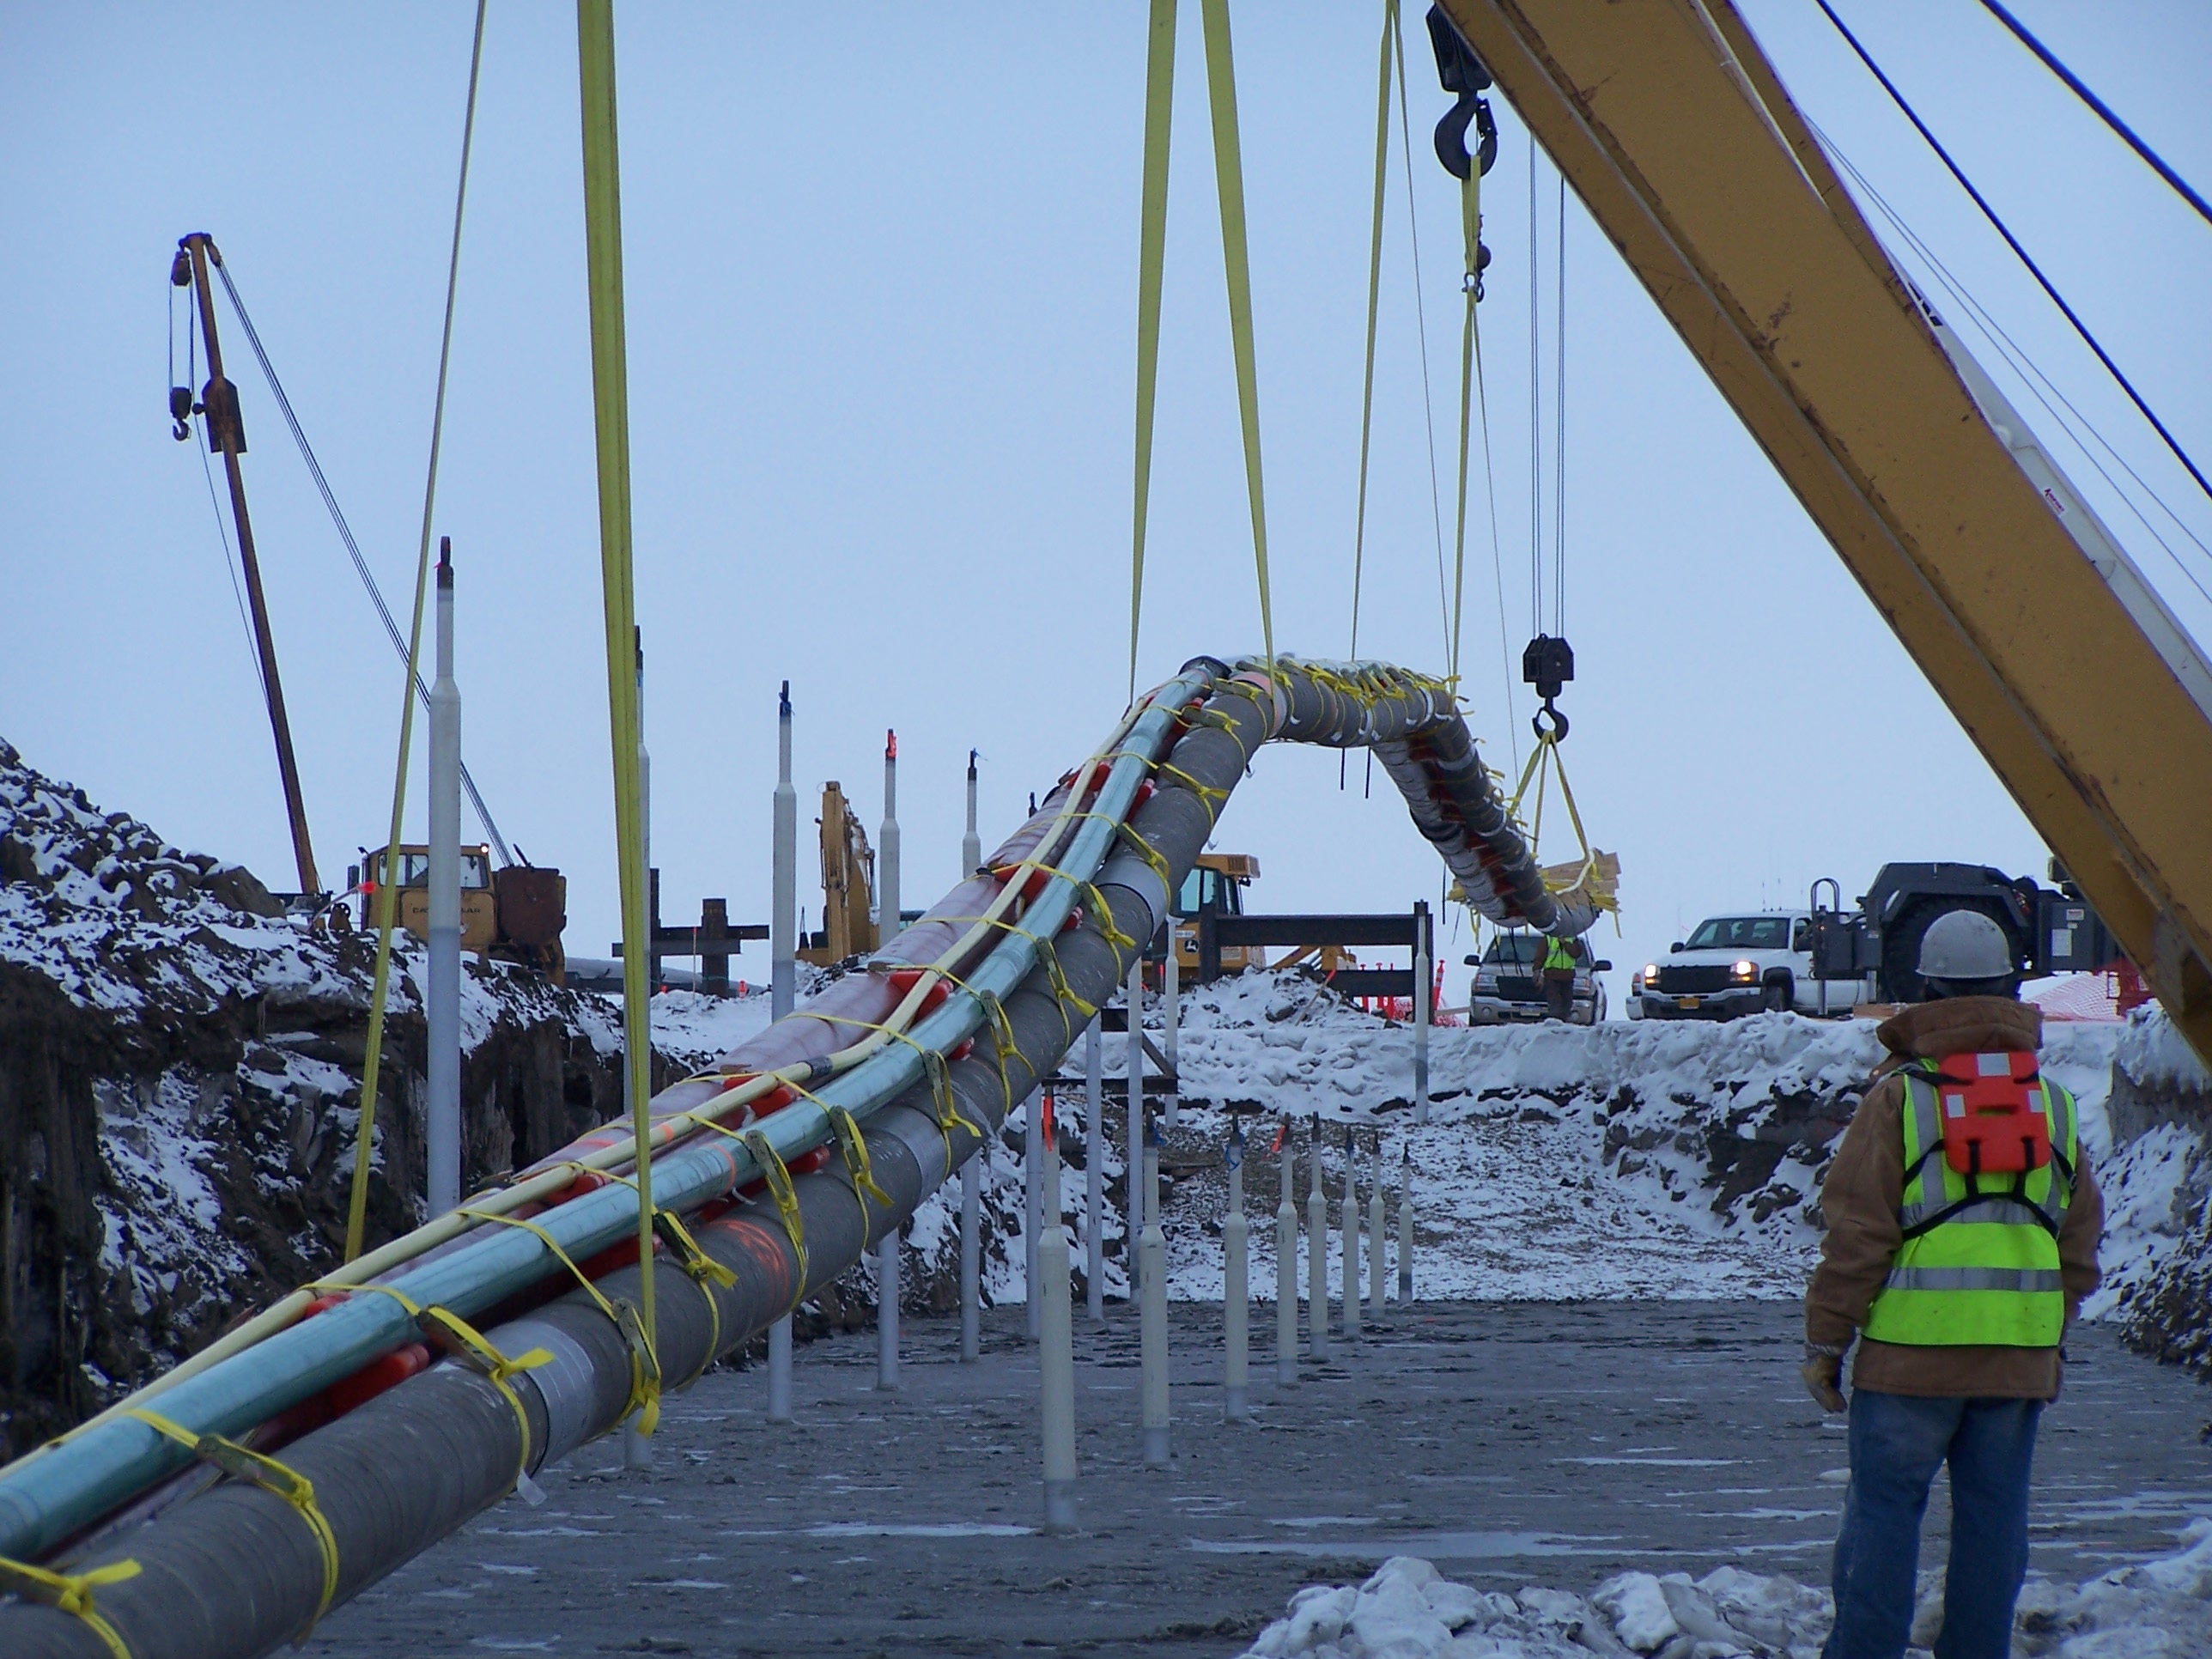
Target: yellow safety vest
{"type": "Point", "coordinates": [1979, 1265]}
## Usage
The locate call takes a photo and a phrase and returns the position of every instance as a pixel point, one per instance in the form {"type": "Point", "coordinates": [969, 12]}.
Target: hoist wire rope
{"type": "Point", "coordinates": [1559, 438]}
{"type": "Point", "coordinates": [1152, 260]}
{"type": "Point", "coordinates": [387, 890]}
{"type": "Point", "coordinates": [1374, 305]}
{"type": "Point", "coordinates": [2039, 385]}
{"type": "Point", "coordinates": [2014, 243]}
{"type": "Point", "coordinates": [2121, 128]}
{"type": "Point", "coordinates": [595, 75]}
{"type": "Point", "coordinates": [1420, 320]}
{"type": "Point", "coordinates": [1229, 185]}
{"type": "Point", "coordinates": [345, 535]}
{"type": "Point", "coordinates": [1535, 418]}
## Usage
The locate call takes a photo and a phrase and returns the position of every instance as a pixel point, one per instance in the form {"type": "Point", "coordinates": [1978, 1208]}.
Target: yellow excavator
{"type": "Point", "coordinates": [2087, 698]}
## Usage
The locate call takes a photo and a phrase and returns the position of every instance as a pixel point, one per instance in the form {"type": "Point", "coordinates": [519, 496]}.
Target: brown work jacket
{"type": "Point", "coordinates": [1866, 1189]}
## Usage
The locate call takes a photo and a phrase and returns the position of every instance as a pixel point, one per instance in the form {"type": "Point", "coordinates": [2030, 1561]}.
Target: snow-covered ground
{"type": "Point", "coordinates": [2159, 1610]}
{"type": "Point", "coordinates": [1644, 1159]}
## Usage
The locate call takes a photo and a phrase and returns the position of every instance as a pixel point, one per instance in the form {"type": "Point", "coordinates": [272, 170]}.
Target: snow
{"type": "Point", "coordinates": [1647, 1158]}
{"type": "Point", "coordinates": [2159, 1609]}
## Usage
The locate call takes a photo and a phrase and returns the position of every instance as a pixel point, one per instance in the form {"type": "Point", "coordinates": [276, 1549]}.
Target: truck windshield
{"type": "Point", "coordinates": [1741, 934]}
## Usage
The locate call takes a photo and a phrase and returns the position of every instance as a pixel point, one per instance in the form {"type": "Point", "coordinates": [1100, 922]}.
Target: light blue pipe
{"type": "Point", "coordinates": [51, 1495]}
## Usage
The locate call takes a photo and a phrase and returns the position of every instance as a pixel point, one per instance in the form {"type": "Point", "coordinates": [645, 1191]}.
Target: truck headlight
{"type": "Point", "coordinates": [1651, 973]}
{"type": "Point", "coordinates": [1745, 972]}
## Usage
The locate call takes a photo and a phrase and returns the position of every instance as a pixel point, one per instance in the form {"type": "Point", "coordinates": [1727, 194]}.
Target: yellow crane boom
{"type": "Point", "coordinates": [2086, 700]}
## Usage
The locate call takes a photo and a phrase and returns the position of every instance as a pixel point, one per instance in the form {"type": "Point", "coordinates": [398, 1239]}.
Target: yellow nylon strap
{"type": "Point", "coordinates": [258, 1469]}
{"type": "Point", "coordinates": [1374, 303]}
{"type": "Point", "coordinates": [855, 1149]}
{"type": "Point", "coordinates": [320, 1288]}
{"type": "Point", "coordinates": [462, 1338]}
{"type": "Point", "coordinates": [1151, 261]}
{"type": "Point", "coordinates": [946, 1103]}
{"type": "Point", "coordinates": [595, 74]}
{"type": "Point", "coordinates": [1207, 793]}
{"type": "Point", "coordinates": [1114, 937]}
{"type": "Point", "coordinates": [1229, 183]}
{"type": "Point", "coordinates": [644, 1361]}
{"type": "Point", "coordinates": [703, 1271]}
{"type": "Point", "coordinates": [1470, 201]}
{"type": "Point", "coordinates": [71, 1593]}
{"type": "Point", "coordinates": [771, 1166]}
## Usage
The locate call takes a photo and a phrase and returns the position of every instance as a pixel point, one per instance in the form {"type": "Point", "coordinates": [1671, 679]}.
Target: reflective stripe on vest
{"type": "Point", "coordinates": [1988, 1273]}
{"type": "Point", "coordinates": [1558, 955]}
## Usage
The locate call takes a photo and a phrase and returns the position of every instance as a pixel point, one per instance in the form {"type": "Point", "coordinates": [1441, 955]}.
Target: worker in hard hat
{"type": "Point", "coordinates": [1558, 978]}
{"type": "Point", "coordinates": [1962, 1229]}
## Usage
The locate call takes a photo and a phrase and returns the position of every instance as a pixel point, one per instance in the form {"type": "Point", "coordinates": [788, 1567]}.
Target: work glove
{"type": "Point", "coordinates": [1822, 1371]}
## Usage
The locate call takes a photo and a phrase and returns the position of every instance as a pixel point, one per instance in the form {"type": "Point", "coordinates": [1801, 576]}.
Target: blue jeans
{"type": "Point", "coordinates": [1898, 1442]}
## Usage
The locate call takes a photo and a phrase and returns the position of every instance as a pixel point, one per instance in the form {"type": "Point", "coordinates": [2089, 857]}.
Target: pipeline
{"type": "Point", "coordinates": [961, 1015]}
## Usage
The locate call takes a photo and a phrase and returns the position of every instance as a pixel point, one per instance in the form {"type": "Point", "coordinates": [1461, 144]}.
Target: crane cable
{"type": "Point", "coordinates": [2150, 157]}
{"type": "Point", "coordinates": [387, 890]}
{"type": "Point", "coordinates": [2013, 242]}
{"type": "Point", "coordinates": [1151, 258]}
{"type": "Point", "coordinates": [1374, 304]}
{"type": "Point", "coordinates": [345, 535]}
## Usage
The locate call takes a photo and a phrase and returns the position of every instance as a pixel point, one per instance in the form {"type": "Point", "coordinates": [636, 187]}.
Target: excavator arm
{"type": "Point", "coordinates": [2088, 702]}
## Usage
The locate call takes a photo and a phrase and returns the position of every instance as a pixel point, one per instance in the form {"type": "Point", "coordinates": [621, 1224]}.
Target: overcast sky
{"type": "Point", "coordinates": [882, 270]}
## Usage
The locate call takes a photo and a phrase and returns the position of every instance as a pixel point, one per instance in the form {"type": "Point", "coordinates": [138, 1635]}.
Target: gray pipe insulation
{"type": "Point", "coordinates": [235, 1571]}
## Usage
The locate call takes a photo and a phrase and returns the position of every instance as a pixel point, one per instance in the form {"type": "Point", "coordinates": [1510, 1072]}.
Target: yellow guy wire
{"type": "Point", "coordinates": [1229, 183]}
{"type": "Point", "coordinates": [1374, 300]}
{"type": "Point", "coordinates": [1151, 259]}
{"type": "Point", "coordinates": [387, 889]}
{"type": "Point", "coordinates": [595, 54]}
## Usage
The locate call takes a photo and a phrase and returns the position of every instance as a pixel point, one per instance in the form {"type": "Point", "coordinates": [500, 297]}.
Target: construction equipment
{"type": "Point", "coordinates": [848, 885]}
{"type": "Point", "coordinates": [513, 915]}
{"type": "Point", "coordinates": [2086, 696]}
{"type": "Point", "coordinates": [1216, 883]}
{"type": "Point", "coordinates": [226, 432]}
{"type": "Point", "coordinates": [2049, 933]}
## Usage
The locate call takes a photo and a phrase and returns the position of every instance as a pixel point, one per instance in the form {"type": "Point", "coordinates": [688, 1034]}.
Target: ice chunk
{"type": "Point", "coordinates": [1636, 1604]}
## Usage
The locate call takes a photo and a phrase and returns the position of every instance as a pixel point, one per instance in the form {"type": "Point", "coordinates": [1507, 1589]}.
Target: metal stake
{"type": "Point", "coordinates": [1348, 1218]}
{"type": "Point", "coordinates": [1056, 1358]}
{"type": "Point", "coordinates": [1152, 1371]}
{"type": "Point", "coordinates": [1316, 1252]}
{"type": "Point", "coordinates": [783, 988]}
{"type": "Point", "coordinates": [1032, 1210]}
{"type": "Point", "coordinates": [1374, 1237]}
{"type": "Point", "coordinates": [1134, 996]}
{"type": "Point", "coordinates": [1236, 1297]}
{"type": "Point", "coordinates": [887, 1311]}
{"type": "Point", "coordinates": [1406, 1223]}
{"type": "Point", "coordinates": [1287, 1265]}
{"type": "Point", "coordinates": [1094, 1172]}
{"type": "Point", "coordinates": [887, 850]}
{"type": "Point", "coordinates": [442, 1124]}
{"type": "Point", "coordinates": [971, 1257]}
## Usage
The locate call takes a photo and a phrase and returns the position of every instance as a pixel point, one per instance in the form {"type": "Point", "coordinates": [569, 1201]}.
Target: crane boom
{"type": "Point", "coordinates": [1683, 143]}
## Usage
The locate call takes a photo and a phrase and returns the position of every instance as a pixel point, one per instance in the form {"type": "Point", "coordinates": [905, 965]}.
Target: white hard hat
{"type": "Point", "coordinates": [1965, 945]}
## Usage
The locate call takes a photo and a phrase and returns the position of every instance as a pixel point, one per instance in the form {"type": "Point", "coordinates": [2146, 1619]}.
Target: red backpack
{"type": "Point", "coordinates": [1992, 1108]}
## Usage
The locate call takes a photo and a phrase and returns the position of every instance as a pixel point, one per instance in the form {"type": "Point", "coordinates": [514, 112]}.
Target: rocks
{"type": "Point", "coordinates": [180, 1094]}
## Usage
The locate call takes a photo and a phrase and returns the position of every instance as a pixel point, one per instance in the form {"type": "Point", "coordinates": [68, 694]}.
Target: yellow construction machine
{"type": "Point", "coordinates": [848, 886]}
{"type": "Point", "coordinates": [513, 914]}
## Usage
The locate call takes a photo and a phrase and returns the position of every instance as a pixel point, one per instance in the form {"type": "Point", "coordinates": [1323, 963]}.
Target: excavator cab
{"type": "Point", "coordinates": [1216, 883]}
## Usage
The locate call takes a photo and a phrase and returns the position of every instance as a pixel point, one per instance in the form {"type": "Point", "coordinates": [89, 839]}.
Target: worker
{"type": "Point", "coordinates": [1960, 1288]}
{"type": "Point", "coordinates": [1558, 975]}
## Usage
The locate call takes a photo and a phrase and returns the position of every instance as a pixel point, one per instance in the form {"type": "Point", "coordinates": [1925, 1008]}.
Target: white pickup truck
{"type": "Point", "coordinates": [1735, 965]}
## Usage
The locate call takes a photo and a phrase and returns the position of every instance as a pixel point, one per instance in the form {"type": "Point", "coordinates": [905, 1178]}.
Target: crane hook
{"type": "Point", "coordinates": [1548, 664]}
{"type": "Point", "coordinates": [1464, 74]}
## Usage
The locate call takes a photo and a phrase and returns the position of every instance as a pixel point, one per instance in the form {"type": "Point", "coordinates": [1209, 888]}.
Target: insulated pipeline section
{"type": "Point", "coordinates": [913, 1143]}
{"type": "Point", "coordinates": [236, 1570]}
